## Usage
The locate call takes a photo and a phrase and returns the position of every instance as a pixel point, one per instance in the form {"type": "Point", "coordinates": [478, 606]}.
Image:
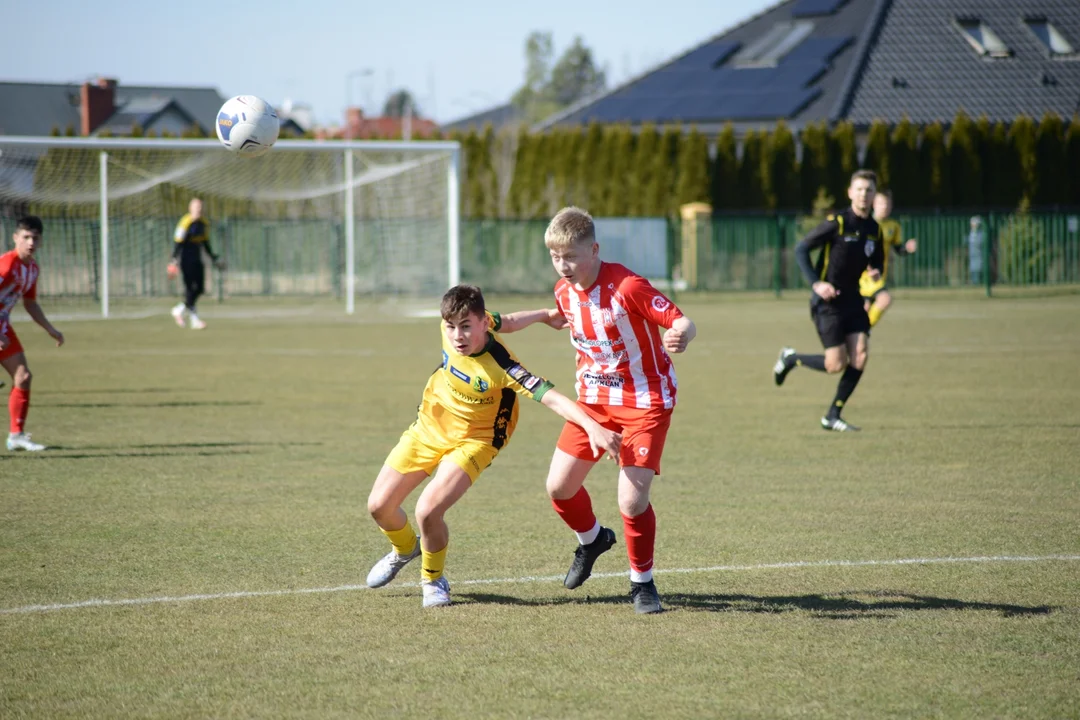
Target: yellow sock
{"type": "Point", "coordinates": [403, 540]}
{"type": "Point", "coordinates": [432, 564]}
{"type": "Point", "coordinates": [875, 314]}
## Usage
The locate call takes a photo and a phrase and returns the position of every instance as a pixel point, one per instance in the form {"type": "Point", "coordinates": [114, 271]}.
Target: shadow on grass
{"type": "Point", "coordinates": [157, 446]}
{"type": "Point", "coordinates": [117, 391]}
{"type": "Point", "coordinates": [48, 455]}
{"type": "Point", "coordinates": [165, 404]}
{"type": "Point", "coordinates": [849, 605]}
{"type": "Point", "coordinates": [1019, 425]}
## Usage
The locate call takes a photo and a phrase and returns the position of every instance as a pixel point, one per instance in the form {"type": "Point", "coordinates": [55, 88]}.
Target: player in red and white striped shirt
{"type": "Point", "coordinates": [18, 278]}
{"type": "Point", "coordinates": [625, 380]}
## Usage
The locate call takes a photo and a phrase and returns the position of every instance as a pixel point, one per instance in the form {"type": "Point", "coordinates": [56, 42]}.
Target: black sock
{"type": "Point", "coordinates": [814, 362]}
{"type": "Point", "coordinates": [844, 388]}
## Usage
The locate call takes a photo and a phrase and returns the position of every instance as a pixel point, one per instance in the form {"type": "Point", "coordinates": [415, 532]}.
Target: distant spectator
{"type": "Point", "coordinates": [975, 240]}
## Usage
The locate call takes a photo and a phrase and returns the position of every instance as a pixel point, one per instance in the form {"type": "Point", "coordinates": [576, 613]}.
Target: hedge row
{"type": "Point", "coordinates": [614, 171]}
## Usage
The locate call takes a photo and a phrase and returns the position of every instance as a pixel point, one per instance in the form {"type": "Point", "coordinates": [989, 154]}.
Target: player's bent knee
{"type": "Point", "coordinates": [378, 505]}
{"type": "Point", "coordinates": [23, 376]}
{"type": "Point", "coordinates": [632, 507]}
{"type": "Point", "coordinates": [428, 515]}
{"type": "Point", "coordinates": [560, 489]}
{"type": "Point", "coordinates": [883, 300]}
{"type": "Point", "coordinates": [835, 365]}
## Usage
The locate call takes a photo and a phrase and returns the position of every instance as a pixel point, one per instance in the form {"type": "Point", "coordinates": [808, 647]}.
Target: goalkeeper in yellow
{"type": "Point", "coordinates": [876, 297]}
{"type": "Point", "coordinates": [468, 413]}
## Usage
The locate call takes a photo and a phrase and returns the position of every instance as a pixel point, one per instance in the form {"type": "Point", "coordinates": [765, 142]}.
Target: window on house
{"type": "Point", "coordinates": [1051, 38]}
{"type": "Point", "coordinates": [768, 49]}
{"type": "Point", "coordinates": [982, 38]}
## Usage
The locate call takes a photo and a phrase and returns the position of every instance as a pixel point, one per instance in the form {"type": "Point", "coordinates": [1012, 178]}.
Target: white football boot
{"type": "Point", "coordinates": [21, 441]}
{"type": "Point", "coordinates": [436, 592]}
{"type": "Point", "coordinates": [389, 566]}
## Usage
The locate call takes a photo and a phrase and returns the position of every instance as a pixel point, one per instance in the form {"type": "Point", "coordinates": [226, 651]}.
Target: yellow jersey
{"type": "Point", "coordinates": [475, 396]}
{"type": "Point", "coordinates": [891, 236]}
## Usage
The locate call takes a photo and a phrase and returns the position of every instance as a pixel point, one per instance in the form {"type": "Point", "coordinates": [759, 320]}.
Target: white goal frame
{"type": "Point", "coordinates": [105, 145]}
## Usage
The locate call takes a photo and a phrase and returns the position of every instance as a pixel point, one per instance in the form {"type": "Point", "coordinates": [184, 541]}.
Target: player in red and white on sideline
{"type": "Point", "coordinates": [625, 380]}
{"type": "Point", "coordinates": [18, 278]}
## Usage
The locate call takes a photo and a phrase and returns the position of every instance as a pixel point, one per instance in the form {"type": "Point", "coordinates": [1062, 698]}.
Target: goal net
{"type": "Point", "coordinates": [309, 218]}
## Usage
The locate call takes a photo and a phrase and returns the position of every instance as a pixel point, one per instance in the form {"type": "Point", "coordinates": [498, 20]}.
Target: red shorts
{"type": "Point", "coordinates": [643, 434]}
{"type": "Point", "coordinates": [13, 347]}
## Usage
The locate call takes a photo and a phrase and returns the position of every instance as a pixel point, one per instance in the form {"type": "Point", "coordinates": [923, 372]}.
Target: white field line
{"type": "Point", "coordinates": [538, 579]}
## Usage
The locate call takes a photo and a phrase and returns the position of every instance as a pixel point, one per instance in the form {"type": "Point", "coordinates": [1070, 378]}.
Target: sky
{"type": "Point", "coordinates": [456, 58]}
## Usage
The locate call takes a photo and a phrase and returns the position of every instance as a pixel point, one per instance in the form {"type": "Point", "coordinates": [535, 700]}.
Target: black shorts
{"type": "Point", "coordinates": [836, 320]}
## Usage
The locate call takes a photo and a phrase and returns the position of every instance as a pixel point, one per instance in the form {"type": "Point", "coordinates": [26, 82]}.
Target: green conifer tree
{"type": "Point", "coordinates": [723, 179]}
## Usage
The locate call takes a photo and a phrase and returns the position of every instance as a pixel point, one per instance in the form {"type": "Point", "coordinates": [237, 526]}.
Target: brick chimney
{"type": "Point", "coordinates": [98, 103]}
{"type": "Point", "coordinates": [354, 123]}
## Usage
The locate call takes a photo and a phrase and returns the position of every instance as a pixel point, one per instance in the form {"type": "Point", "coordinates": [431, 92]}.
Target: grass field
{"type": "Point", "coordinates": [194, 544]}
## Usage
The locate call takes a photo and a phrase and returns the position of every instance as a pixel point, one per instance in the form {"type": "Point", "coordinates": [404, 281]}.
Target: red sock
{"type": "Point", "coordinates": [640, 535]}
{"type": "Point", "coordinates": [576, 511]}
{"type": "Point", "coordinates": [18, 407]}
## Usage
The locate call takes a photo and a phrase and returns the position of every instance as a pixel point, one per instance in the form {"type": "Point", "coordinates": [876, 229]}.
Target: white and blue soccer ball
{"type": "Point", "coordinates": [247, 125]}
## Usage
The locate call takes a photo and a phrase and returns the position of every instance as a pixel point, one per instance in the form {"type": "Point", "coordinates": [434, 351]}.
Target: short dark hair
{"type": "Point", "coordinates": [886, 193]}
{"type": "Point", "coordinates": [462, 300]}
{"type": "Point", "coordinates": [30, 222]}
{"type": "Point", "coordinates": [864, 175]}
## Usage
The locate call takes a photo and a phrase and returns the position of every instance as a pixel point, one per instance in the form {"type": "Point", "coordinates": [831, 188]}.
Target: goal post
{"type": "Point", "coordinates": [309, 218]}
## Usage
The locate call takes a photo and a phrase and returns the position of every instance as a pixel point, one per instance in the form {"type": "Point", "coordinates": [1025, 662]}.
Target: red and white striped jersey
{"type": "Point", "coordinates": [17, 279]}
{"type": "Point", "coordinates": [616, 328]}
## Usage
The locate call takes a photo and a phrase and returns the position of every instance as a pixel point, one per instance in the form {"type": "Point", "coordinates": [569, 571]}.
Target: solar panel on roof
{"type": "Point", "coordinates": [705, 57]}
{"type": "Point", "coordinates": [810, 8]}
{"type": "Point", "coordinates": [817, 48]}
{"type": "Point", "coordinates": [693, 89]}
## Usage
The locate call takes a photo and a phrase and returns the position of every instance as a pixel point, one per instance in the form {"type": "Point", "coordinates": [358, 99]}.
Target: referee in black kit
{"type": "Point", "coordinates": [849, 242]}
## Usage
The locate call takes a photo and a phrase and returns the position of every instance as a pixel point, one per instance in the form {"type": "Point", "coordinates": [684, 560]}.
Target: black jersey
{"type": "Point", "coordinates": [849, 244]}
{"type": "Point", "coordinates": [191, 237]}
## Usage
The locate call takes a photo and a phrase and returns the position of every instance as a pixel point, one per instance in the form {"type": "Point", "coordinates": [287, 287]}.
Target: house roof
{"type": "Point", "coordinates": [497, 117]}
{"type": "Point", "coordinates": [201, 103]}
{"type": "Point", "coordinates": [142, 112]}
{"type": "Point", "coordinates": [922, 66]}
{"type": "Point", "coordinates": [28, 108]}
{"type": "Point", "coordinates": [37, 108]}
{"type": "Point", "coordinates": [859, 60]}
{"type": "Point", "coordinates": [790, 61]}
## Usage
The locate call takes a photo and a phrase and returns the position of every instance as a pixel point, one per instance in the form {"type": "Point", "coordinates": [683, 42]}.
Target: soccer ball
{"type": "Point", "coordinates": [247, 125]}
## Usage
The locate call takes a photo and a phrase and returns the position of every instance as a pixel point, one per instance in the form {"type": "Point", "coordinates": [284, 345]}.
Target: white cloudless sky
{"type": "Point", "coordinates": [456, 58]}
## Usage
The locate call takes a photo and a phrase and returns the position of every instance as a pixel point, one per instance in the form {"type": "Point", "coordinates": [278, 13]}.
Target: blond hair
{"type": "Point", "coordinates": [570, 226]}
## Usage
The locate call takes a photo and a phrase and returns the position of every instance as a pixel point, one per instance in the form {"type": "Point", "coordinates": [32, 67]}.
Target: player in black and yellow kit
{"type": "Point", "coordinates": [468, 413]}
{"type": "Point", "coordinates": [877, 298]}
{"type": "Point", "coordinates": [849, 243]}
{"type": "Point", "coordinates": [192, 236]}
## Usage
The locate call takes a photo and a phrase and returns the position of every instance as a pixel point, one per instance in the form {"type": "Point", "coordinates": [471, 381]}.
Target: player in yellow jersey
{"type": "Point", "coordinates": [876, 297]}
{"type": "Point", "coordinates": [468, 413]}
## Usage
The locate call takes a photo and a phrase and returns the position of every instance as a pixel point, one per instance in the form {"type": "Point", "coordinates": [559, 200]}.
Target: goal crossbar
{"type": "Point", "coordinates": [405, 195]}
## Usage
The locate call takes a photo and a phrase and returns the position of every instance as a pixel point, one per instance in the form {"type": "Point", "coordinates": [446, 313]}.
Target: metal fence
{"type": "Point", "coordinates": [307, 257]}
{"type": "Point", "coordinates": [1000, 249]}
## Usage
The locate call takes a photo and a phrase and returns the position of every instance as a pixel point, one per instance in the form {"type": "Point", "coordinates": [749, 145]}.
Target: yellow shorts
{"type": "Point", "coordinates": [868, 288]}
{"type": "Point", "coordinates": [416, 450]}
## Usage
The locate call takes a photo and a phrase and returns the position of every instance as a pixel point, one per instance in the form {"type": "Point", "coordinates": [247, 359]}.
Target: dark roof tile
{"type": "Point", "coordinates": [921, 65]}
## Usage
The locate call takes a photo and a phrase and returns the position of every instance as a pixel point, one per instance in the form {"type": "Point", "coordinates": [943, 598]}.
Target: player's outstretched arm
{"type": "Point", "coordinates": [512, 322]}
{"type": "Point", "coordinates": [38, 315]}
{"type": "Point", "coordinates": [601, 439]}
{"type": "Point", "coordinates": [679, 335]}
